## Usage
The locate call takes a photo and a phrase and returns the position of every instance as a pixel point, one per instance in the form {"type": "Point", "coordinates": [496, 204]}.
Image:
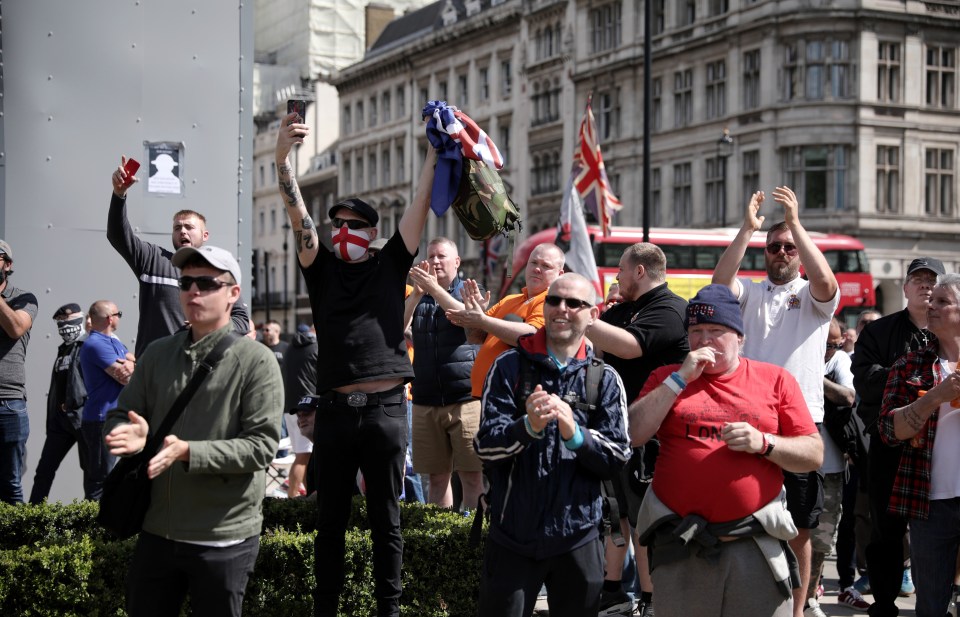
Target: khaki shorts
{"type": "Point", "coordinates": [443, 437]}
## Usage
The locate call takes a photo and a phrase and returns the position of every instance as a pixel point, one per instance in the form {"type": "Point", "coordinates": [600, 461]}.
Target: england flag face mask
{"type": "Point", "coordinates": [350, 244]}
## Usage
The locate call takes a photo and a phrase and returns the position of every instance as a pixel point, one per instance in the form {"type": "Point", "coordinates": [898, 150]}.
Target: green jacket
{"type": "Point", "coordinates": [232, 424]}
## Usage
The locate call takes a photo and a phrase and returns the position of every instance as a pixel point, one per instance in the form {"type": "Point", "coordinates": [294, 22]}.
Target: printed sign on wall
{"type": "Point", "coordinates": [166, 168]}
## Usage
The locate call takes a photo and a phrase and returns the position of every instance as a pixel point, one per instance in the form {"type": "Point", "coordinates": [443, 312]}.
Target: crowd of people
{"type": "Point", "coordinates": [716, 449]}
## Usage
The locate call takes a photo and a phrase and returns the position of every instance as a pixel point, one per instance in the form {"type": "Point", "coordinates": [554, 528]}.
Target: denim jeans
{"type": "Point", "coordinates": [14, 430]}
{"type": "Point", "coordinates": [933, 555]}
{"type": "Point", "coordinates": [99, 460]}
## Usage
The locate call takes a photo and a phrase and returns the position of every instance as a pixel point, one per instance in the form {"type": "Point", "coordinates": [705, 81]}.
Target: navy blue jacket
{"type": "Point", "coordinates": [545, 498]}
{"type": "Point", "coordinates": [442, 358]}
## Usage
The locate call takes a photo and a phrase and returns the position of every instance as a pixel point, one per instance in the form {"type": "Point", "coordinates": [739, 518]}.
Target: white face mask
{"type": "Point", "coordinates": [70, 329]}
{"type": "Point", "coordinates": [350, 244]}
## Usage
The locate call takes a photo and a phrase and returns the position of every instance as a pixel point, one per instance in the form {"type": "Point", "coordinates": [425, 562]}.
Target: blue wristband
{"type": "Point", "coordinates": [576, 441]}
{"type": "Point", "coordinates": [675, 376]}
{"type": "Point", "coordinates": [529, 427]}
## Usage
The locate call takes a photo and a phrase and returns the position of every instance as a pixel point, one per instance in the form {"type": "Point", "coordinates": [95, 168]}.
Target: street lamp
{"type": "Point", "coordinates": [286, 277]}
{"type": "Point", "coordinates": [724, 149]}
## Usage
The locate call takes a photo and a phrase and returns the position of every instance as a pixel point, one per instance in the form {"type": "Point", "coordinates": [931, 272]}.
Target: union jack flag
{"type": "Point", "coordinates": [590, 176]}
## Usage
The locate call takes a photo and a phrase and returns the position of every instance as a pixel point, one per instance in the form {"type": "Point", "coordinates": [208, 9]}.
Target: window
{"type": "Point", "coordinates": [402, 102]}
{"type": "Point", "coordinates": [818, 176]}
{"type": "Point", "coordinates": [657, 219]}
{"type": "Point", "coordinates": [716, 89]}
{"type": "Point", "coordinates": [717, 7]}
{"type": "Point", "coordinates": [263, 177]}
{"type": "Point", "coordinates": [506, 78]}
{"type": "Point", "coordinates": [424, 96]}
{"type": "Point", "coordinates": [385, 179]}
{"type": "Point", "coordinates": [273, 172]}
{"type": "Point", "coordinates": [686, 13]}
{"type": "Point", "coordinates": [888, 73]}
{"type": "Point", "coordinates": [941, 76]}
{"type": "Point", "coordinates": [682, 98]}
{"type": "Point", "coordinates": [656, 112]}
{"type": "Point", "coordinates": [483, 77]}
{"type": "Point", "coordinates": [605, 27]}
{"type": "Point", "coordinates": [385, 106]}
{"type": "Point", "coordinates": [263, 226]}
{"type": "Point", "coordinates": [503, 144]}
{"type": "Point", "coordinates": [750, 174]}
{"type": "Point", "coordinates": [818, 69]}
{"type": "Point", "coordinates": [659, 16]}
{"type": "Point", "coordinates": [371, 171]}
{"type": "Point", "coordinates": [273, 220]}
{"type": "Point", "coordinates": [462, 92]}
{"type": "Point", "coordinates": [545, 172]}
{"type": "Point", "coordinates": [888, 179]}
{"type": "Point", "coordinates": [682, 195]}
{"type": "Point", "coordinates": [359, 184]}
{"type": "Point", "coordinates": [373, 111]}
{"type": "Point", "coordinates": [545, 102]}
{"type": "Point", "coordinates": [715, 189]}
{"type": "Point", "coordinates": [347, 177]}
{"type": "Point", "coordinates": [938, 193]}
{"type": "Point", "coordinates": [751, 79]}
{"type": "Point", "coordinates": [346, 120]}
{"type": "Point", "coordinates": [608, 114]}
{"type": "Point", "coordinates": [401, 164]}
{"type": "Point", "coordinates": [359, 115]}
{"type": "Point", "coordinates": [442, 87]}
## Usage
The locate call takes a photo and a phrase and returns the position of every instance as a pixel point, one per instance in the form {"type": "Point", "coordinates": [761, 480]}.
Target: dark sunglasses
{"type": "Point", "coordinates": [774, 247]}
{"type": "Point", "coordinates": [572, 303]}
{"type": "Point", "coordinates": [117, 314]}
{"type": "Point", "coordinates": [204, 283]}
{"type": "Point", "coordinates": [837, 346]}
{"type": "Point", "coordinates": [350, 223]}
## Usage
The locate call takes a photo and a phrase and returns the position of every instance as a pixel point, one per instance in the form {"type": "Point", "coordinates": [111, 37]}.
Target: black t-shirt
{"type": "Point", "coordinates": [657, 319]}
{"type": "Point", "coordinates": [61, 373]}
{"type": "Point", "coordinates": [280, 351]}
{"type": "Point", "coordinates": [358, 315]}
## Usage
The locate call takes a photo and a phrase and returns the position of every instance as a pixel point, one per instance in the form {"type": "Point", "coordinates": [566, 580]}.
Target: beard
{"type": "Point", "coordinates": [780, 273]}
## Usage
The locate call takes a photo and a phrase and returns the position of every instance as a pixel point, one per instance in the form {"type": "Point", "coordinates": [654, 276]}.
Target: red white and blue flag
{"type": "Point", "coordinates": [590, 176]}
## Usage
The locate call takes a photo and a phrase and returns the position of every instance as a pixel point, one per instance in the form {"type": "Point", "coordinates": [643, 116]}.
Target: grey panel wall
{"type": "Point", "coordinates": [85, 82]}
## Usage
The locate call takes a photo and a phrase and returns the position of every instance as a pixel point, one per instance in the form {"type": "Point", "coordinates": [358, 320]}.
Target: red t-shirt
{"type": "Point", "coordinates": [696, 473]}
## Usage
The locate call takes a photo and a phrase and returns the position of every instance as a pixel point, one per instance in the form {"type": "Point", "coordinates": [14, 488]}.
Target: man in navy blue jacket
{"type": "Point", "coordinates": [545, 456]}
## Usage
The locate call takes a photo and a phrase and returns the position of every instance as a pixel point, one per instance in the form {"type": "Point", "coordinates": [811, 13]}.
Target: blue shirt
{"type": "Point", "coordinates": [98, 352]}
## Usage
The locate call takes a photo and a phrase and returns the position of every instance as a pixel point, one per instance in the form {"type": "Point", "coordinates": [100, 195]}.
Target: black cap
{"type": "Point", "coordinates": [307, 403]}
{"type": "Point", "coordinates": [360, 207]}
{"type": "Point", "coordinates": [67, 309]}
{"type": "Point", "coordinates": [926, 263]}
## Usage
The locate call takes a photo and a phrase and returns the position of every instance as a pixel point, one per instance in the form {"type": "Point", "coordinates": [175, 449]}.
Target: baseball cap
{"type": "Point", "coordinates": [67, 309]}
{"type": "Point", "coordinates": [358, 206]}
{"type": "Point", "coordinates": [219, 258]}
{"type": "Point", "coordinates": [5, 249]}
{"type": "Point", "coordinates": [926, 263]}
{"type": "Point", "coordinates": [306, 403]}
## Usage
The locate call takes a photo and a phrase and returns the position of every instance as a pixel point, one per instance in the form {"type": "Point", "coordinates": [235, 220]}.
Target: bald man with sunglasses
{"type": "Point", "coordinates": [787, 320]}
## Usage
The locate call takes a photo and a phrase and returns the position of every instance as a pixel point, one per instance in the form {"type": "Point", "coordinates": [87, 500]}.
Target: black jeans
{"type": "Point", "coordinates": [163, 571]}
{"type": "Point", "coordinates": [884, 554]}
{"type": "Point", "coordinates": [374, 440]}
{"type": "Point", "coordinates": [99, 460]}
{"type": "Point", "coordinates": [62, 433]}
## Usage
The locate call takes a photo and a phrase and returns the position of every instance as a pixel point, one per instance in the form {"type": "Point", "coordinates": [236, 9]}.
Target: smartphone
{"type": "Point", "coordinates": [130, 169]}
{"type": "Point", "coordinates": [300, 107]}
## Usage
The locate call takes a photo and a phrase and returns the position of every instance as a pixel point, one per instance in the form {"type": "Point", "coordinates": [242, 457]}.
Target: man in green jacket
{"type": "Point", "coordinates": [201, 532]}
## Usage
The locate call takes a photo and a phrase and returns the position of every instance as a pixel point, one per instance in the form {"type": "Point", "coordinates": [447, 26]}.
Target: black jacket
{"type": "Point", "coordinates": [442, 358]}
{"type": "Point", "coordinates": [300, 372]}
{"type": "Point", "coordinates": [75, 392]}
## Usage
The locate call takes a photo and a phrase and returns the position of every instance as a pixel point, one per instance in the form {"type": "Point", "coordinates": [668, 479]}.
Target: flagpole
{"type": "Point", "coordinates": [647, 84]}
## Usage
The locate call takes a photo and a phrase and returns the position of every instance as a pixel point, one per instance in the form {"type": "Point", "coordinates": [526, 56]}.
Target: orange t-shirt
{"type": "Point", "coordinates": [528, 309]}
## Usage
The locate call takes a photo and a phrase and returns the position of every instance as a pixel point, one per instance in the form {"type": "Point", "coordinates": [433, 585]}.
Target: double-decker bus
{"type": "Point", "coordinates": [692, 255]}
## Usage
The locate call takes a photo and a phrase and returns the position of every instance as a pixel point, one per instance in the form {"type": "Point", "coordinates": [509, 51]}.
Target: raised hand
{"type": "Point", "coordinates": [791, 207]}
{"type": "Point", "coordinates": [751, 219]}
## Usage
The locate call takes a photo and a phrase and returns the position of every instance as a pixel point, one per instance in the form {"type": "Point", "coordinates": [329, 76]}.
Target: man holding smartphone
{"type": "Point", "coordinates": [160, 312]}
{"type": "Point", "coordinates": [357, 301]}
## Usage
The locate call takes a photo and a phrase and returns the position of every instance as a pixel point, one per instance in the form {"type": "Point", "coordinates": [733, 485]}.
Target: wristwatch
{"type": "Point", "coordinates": [769, 443]}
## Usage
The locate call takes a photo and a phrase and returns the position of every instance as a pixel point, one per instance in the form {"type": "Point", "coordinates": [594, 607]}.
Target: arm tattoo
{"type": "Point", "coordinates": [290, 192]}
{"type": "Point", "coordinates": [912, 418]}
{"type": "Point", "coordinates": [309, 232]}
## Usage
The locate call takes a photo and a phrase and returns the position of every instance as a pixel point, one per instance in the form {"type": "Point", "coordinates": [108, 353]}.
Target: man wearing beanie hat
{"type": "Point", "coordinates": [728, 428]}
{"type": "Point", "coordinates": [787, 320]}
{"type": "Point", "coordinates": [18, 309]}
{"type": "Point", "coordinates": [357, 300]}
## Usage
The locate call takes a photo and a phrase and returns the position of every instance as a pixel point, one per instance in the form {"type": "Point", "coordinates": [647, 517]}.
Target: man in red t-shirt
{"type": "Point", "coordinates": [728, 427]}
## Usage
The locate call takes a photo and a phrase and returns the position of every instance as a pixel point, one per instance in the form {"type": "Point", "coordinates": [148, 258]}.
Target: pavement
{"type": "Point", "coordinates": [828, 603]}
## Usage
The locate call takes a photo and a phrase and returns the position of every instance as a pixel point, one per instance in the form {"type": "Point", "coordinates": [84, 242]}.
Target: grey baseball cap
{"type": "Point", "coordinates": [219, 258]}
{"type": "Point", "coordinates": [6, 250]}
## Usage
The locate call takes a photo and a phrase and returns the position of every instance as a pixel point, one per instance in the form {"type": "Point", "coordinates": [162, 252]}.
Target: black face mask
{"type": "Point", "coordinates": [70, 329]}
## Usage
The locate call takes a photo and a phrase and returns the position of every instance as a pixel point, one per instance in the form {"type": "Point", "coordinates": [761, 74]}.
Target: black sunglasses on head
{"type": "Point", "coordinates": [573, 304]}
{"type": "Point", "coordinates": [204, 283]}
{"type": "Point", "coordinates": [350, 223]}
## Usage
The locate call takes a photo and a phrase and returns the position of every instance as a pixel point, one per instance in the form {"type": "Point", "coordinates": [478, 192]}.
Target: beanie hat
{"type": "Point", "coordinates": [715, 304]}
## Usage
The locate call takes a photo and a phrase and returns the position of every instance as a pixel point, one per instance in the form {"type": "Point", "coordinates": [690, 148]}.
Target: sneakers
{"type": "Point", "coordinates": [819, 592]}
{"type": "Point", "coordinates": [862, 585]}
{"type": "Point", "coordinates": [906, 587]}
{"type": "Point", "coordinates": [615, 603]}
{"type": "Point", "coordinates": [643, 610]}
{"type": "Point", "coordinates": [852, 598]}
{"type": "Point", "coordinates": [813, 609]}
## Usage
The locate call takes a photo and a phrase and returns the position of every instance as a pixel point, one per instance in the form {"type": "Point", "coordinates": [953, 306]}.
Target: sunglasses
{"type": "Point", "coordinates": [837, 346]}
{"type": "Point", "coordinates": [572, 303]}
{"type": "Point", "coordinates": [350, 224]}
{"type": "Point", "coordinates": [117, 314]}
{"type": "Point", "coordinates": [774, 248]}
{"type": "Point", "coordinates": [204, 283]}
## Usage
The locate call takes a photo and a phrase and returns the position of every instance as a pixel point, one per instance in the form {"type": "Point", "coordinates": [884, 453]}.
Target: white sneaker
{"type": "Point", "coordinates": [813, 609]}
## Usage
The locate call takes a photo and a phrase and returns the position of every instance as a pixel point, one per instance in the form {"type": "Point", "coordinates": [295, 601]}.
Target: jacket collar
{"type": "Point", "coordinates": [535, 347]}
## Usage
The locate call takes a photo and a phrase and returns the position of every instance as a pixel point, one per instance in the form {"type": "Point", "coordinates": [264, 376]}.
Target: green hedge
{"type": "Point", "coordinates": [55, 561]}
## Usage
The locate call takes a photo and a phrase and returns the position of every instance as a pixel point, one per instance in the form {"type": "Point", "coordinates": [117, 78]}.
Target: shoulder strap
{"type": "Point", "coordinates": [594, 376]}
{"type": "Point", "coordinates": [206, 367]}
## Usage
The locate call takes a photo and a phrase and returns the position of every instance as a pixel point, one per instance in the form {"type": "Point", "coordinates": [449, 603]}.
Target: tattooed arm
{"type": "Point", "coordinates": [305, 237]}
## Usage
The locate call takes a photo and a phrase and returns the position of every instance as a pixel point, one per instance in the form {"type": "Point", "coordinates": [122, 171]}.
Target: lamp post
{"type": "Point", "coordinates": [724, 149]}
{"type": "Point", "coordinates": [286, 276]}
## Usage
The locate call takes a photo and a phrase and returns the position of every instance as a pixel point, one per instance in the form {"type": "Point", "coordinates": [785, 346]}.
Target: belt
{"type": "Point", "coordinates": [393, 396]}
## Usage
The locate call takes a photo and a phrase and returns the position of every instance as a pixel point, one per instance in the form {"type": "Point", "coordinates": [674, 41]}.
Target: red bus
{"type": "Point", "coordinates": [692, 255]}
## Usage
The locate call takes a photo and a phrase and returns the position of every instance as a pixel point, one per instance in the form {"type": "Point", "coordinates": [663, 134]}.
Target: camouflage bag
{"type": "Point", "coordinates": [482, 203]}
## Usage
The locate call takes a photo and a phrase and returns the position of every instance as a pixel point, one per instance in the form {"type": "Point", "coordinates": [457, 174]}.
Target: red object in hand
{"type": "Point", "coordinates": [130, 169]}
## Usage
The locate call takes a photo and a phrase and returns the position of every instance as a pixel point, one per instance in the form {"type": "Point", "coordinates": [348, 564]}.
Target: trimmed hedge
{"type": "Point", "coordinates": [55, 561]}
